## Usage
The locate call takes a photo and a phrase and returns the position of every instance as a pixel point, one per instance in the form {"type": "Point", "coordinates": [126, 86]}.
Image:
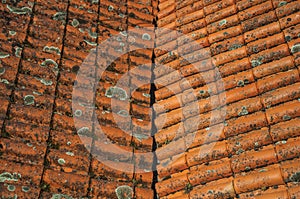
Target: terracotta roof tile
{"type": "Point", "coordinates": [272, 192]}
{"type": "Point", "coordinates": [291, 32]}
{"type": "Point", "coordinates": [280, 95]}
{"type": "Point", "coordinates": [287, 149]}
{"type": "Point", "coordinates": [277, 80]}
{"type": "Point", "coordinates": [102, 171]}
{"type": "Point", "coordinates": [30, 153]}
{"type": "Point", "coordinates": [24, 131]}
{"type": "Point", "coordinates": [67, 183]}
{"type": "Point", "coordinates": [207, 153]}
{"type": "Point", "coordinates": [22, 173]}
{"type": "Point", "coordinates": [74, 162]}
{"type": "Point", "coordinates": [171, 165]}
{"type": "Point", "coordinates": [241, 124]}
{"type": "Point", "coordinates": [226, 12]}
{"type": "Point", "coordinates": [208, 9]}
{"type": "Point", "coordinates": [173, 184]}
{"type": "Point", "coordinates": [268, 176]}
{"type": "Point", "coordinates": [273, 67]}
{"type": "Point", "coordinates": [144, 193]}
{"type": "Point", "coordinates": [285, 130]}
{"type": "Point", "coordinates": [294, 190]}
{"type": "Point", "coordinates": [225, 34]}
{"type": "Point", "coordinates": [11, 190]}
{"type": "Point", "coordinates": [108, 189]}
{"type": "Point", "coordinates": [289, 20]}
{"type": "Point", "coordinates": [248, 141]}
{"type": "Point", "coordinates": [283, 112]}
{"type": "Point", "coordinates": [253, 159]}
{"type": "Point", "coordinates": [215, 170]}
{"type": "Point", "coordinates": [222, 188]}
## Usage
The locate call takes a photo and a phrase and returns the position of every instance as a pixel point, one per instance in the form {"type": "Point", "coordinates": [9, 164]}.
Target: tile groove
{"type": "Point", "coordinates": [55, 97]}
{"type": "Point", "coordinates": [11, 97]}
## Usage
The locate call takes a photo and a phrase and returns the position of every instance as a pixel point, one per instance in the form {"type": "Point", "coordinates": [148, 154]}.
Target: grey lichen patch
{"type": "Point", "coordinates": [51, 49]}
{"type": "Point", "coordinates": [235, 46]}
{"type": "Point", "coordinates": [11, 188]}
{"type": "Point", "coordinates": [29, 144]}
{"type": "Point", "coordinates": [121, 15]}
{"type": "Point", "coordinates": [282, 3]}
{"type": "Point", "coordinates": [188, 188]}
{"type": "Point", "coordinates": [61, 196]}
{"type": "Point", "coordinates": [140, 137]}
{"type": "Point", "coordinates": [60, 16]}
{"type": "Point", "coordinates": [286, 117]}
{"type": "Point", "coordinates": [61, 161]}
{"type": "Point", "coordinates": [131, 39]}
{"type": "Point", "coordinates": [295, 48]}
{"type": "Point", "coordinates": [25, 189]}
{"type": "Point", "coordinates": [46, 82]}
{"type": "Point", "coordinates": [238, 152]}
{"type": "Point", "coordinates": [123, 113]}
{"type": "Point", "coordinates": [3, 55]}
{"type": "Point", "coordinates": [146, 36]}
{"type": "Point", "coordinates": [18, 51]}
{"type": "Point", "coordinates": [81, 30]}
{"type": "Point", "coordinates": [29, 100]}
{"type": "Point", "coordinates": [37, 93]}
{"type": "Point", "coordinates": [124, 192]}
{"type": "Point", "coordinates": [202, 92]}
{"type": "Point", "coordinates": [116, 92]}
{"type": "Point", "coordinates": [90, 42]}
{"type": "Point", "coordinates": [295, 177]}
{"type": "Point", "coordinates": [2, 70]}
{"type": "Point", "coordinates": [257, 62]}
{"type": "Point", "coordinates": [95, 1]}
{"type": "Point", "coordinates": [240, 83]}
{"type": "Point", "coordinates": [6, 176]}
{"type": "Point", "coordinates": [280, 142]}
{"type": "Point", "coordinates": [92, 34]}
{"type": "Point", "coordinates": [83, 131]}
{"type": "Point", "coordinates": [75, 23]}
{"type": "Point", "coordinates": [49, 62]}
{"type": "Point", "coordinates": [263, 170]}
{"type": "Point", "coordinates": [119, 38]}
{"type": "Point", "coordinates": [70, 153]}
{"type": "Point", "coordinates": [110, 8]}
{"type": "Point", "coordinates": [223, 22]}
{"type": "Point", "coordinates": [288, 38]}
{"type": "Point", "coordinates": [5, 81]}
{"type": "Point", "coordinates": [78, 113]}
{"type": "Point", "coordinates": [20, 11]}
{"type": "Point", "coordinates": [30, 3]}
{"type": "Point", "coordinates": [244, 111]}
{"type": "Point", "coordinates": [12, 33]}
{"type": "Point", "coordinates": [146, 95]}
{"type": "Point", "coordinates": [124, 33]}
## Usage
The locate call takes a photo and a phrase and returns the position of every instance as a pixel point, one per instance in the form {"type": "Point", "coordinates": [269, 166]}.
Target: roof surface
{"type": "Point", "coordinates": [225, 93]}
{"type": "Point", "coordinates": [228, 103]}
